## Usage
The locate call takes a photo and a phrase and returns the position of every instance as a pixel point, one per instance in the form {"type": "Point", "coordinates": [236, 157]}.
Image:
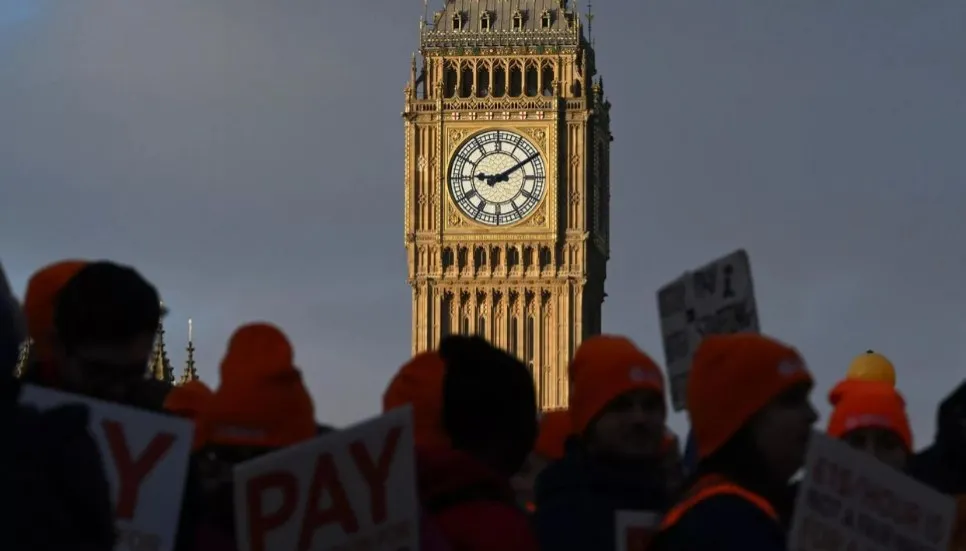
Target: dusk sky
{"type": "Point", "coordinates": [247, 157]}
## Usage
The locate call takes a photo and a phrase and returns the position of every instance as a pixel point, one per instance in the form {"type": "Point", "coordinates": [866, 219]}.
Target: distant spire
{"type": "Point", "coordinates": [160, 367]}
{"type": "Point", "coordinates": [23, 359]}
{"type": "Point", "coordinates": [190, 373]}
{"type": "Point", "coordinates": [590, 21]}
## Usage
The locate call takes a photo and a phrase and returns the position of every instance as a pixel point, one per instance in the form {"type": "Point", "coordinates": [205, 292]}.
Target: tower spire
{"type": "Point", "coordinates": [190, 373]}
{"type": "Point", "coordinates": [23, 360]}
{"type": "Point", "coordinates": [590, 22]}
{"type": "Point", "coordinates": [160, 366]}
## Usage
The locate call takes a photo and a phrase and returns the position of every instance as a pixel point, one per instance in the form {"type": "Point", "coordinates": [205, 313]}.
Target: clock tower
{"type": "Point", "coordinates": [507, 192]}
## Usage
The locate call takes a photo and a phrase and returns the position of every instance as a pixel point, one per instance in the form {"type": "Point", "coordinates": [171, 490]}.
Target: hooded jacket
{"type": "Point", "coordinates": [943, 464]}
{"type": "Point", "coordinates": [577, 498]}
{"type": "Point", "coordinates": [472, 506]}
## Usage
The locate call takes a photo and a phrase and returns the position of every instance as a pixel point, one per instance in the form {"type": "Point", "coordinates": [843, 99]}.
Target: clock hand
{"type": "Point", "coordinates": [504, 176]}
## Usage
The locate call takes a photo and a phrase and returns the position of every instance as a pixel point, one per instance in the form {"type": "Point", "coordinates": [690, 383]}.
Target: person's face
{"type": "Point", "coordinates": [782, 430]}
{"type": "Point", "coordinates": [631, 426]}
{"type": "Point", "coordinates": [523, 481]}
{"type": "Point", "coordinates": [882, 444]}
{"type": "Point", "coordinates": [108, 371]}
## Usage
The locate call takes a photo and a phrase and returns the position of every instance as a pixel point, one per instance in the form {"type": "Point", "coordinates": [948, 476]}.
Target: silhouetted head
{"type": "Point", "coordinates": [489, 403]}
{"type": "Point", "coordinates": [105, 320]}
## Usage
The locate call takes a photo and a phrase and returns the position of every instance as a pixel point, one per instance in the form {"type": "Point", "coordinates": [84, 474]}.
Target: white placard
{"type": "Point", "coordinates": [718, 298]}
{"type": "Point", "coordinates": [145, 458]}
{"type": "Point", "coordinates": [352, 489]}
{"type": "Point", "coordinates": [851, 501]}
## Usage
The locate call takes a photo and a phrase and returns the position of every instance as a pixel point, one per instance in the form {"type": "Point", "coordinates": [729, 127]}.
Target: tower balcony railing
{"type": "Point", "coordinates": [541, 103]}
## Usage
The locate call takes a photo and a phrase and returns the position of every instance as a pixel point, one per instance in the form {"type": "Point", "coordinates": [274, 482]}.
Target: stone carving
{"type": "Point", "coordinates": [539, 216]}
{"type": "Point", "coordinates": [574, 197]}
{"type": "Point", "coordinates": [421, 163]}
{"type": "Point", "coordinates": [454, 138]}
{"type": "Point", "coordinates": [538, 135]}
{"type": "Point", "coordinates": [455, 220]}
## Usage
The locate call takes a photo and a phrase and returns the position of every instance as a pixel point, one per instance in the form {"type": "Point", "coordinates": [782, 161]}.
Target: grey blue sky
{"type": "Point", "coordinates": [246, 155]}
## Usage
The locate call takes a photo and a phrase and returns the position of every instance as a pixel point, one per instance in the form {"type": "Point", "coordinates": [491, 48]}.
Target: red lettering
{"type": "Point", "coordinates": [131, 472]}
{"type": "Point", "coordinates": [261, 523]}
{"type": "Point", "coordinates": [326, 479]}
{"type": "Point", "coordinates": [377, 474]}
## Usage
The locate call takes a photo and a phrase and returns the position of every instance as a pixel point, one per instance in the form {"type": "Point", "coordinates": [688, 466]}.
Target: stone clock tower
{"type": "Point", "coordinates": [507, 186]}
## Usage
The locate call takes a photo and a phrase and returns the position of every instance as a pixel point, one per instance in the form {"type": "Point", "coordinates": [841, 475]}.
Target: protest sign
{"type": "Point", "coordinates": [717, 298]}
{"type": "Point", "coordinates": [635, 529]}
{"type": "Point", "coordinates": [349, 490]}
{"type": "Point", "coordinates": [145, 458]}
{"type": "Point", "coordinates": [851, 501]}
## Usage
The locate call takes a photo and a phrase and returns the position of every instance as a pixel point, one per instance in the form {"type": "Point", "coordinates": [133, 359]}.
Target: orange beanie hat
{"type": "Point", "coordinates": [262, 400]}
{"type": "Point", "coordinates": [555, 428]}
{"type": "Point", "coordinates": [732, 378]}
{"type": "Point", "coordinates": [39, 302]}
{"type": "Point", "coordinates": [603, 368]}
{"type": "Point", "coordinates": [420, 382]}
{"type": "Point", "coordinates": [188, 401]}
{"type": "Point", "coordinates": [868, 404]}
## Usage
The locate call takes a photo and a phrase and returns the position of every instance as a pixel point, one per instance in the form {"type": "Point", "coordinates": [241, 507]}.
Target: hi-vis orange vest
{"type": "Point", "coordinates": [708, 487]}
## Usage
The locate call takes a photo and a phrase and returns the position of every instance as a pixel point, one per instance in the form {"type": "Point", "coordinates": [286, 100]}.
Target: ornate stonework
{"type": "Point", "coordinates": [534, 286]}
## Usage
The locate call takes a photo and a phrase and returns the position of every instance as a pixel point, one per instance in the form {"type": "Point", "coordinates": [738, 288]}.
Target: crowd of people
{"type": "Point", "coordinates": [493, 473]}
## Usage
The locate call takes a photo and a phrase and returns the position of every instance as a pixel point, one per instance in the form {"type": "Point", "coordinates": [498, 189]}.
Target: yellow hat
{"type": "Point", "coordinates": [872, 366]}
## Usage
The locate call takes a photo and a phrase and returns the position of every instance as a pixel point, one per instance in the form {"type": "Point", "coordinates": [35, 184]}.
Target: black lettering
{"type": "Point", "coordinates": [671, 299]}
{"type": "Point", "coordinates": [706, 282]}
{"type": "Point", "coordinates": [676, 346]}
{"type": "Point", "coordinates": [729, 291]}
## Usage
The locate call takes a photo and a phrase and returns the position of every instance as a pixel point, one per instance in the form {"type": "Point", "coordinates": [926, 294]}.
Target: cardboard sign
{"type": "Point", "coordinates": [349, 490]}
{"type": "Point", "coordinates": [716, 299]}
{"type": "Point", "coordinates": [635, 529]}
{"type": "Point", "coordinates": [145, 458]}
{"type": "Point", "coordinates": [851, 501]}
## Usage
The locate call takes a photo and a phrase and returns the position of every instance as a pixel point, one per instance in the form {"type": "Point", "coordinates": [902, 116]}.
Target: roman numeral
{"type": "Point", "coordinates": [526, 194]}
{"type": "Point", "coordinates": [471, 194]}
{"type": "Point", "coordinates": [497, 207]}
{"type": "Point", "coordinates": [529, 177]}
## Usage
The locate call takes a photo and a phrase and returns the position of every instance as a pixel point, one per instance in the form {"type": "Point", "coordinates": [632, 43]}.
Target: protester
{"type": "Point", "coordinates": [942, 465]}
{"type": "Point", "coordinates": [105, 320]}
{"type": "Point", "coordinates": [748, 396]}
{"type": "Point", "coordinates": [40, 300]}
{"type": "Point", "coordinates": [56, 492]}
{"type": "Point", "coordinates": [555, 429]}
{"type": "Point", "coordinates": [871, 417]}
{"type": "Point", "coordinates": [614, 461]}
{"type": "Point", "coordinates": [260, 406]}
{"type": "Point", "coordinates": [486, 408]}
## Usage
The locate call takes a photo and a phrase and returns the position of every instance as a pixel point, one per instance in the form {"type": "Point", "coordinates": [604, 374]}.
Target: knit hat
{"type": "Point", "coordinates": [189, 400]}
{"type": "Point", "coordinates": [555, 429]}
{"type": "Point", "coordinates": [732, 378]}
{"type": "Point", "coordinates": [868, 404]}
{"type": "Point", "coordinates": [604, 368]}
{"type": "Point", "coordinates": [262, 400]}
{"type": "Point", "coordinates": [39, 301]}
{"type": "Point", "coordinates": [420, 382]}
{"type": "Point", "coordinates": [872, 366]}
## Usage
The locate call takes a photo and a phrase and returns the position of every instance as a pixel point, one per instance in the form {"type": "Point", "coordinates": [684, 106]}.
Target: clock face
{"type": "Point", "coordinates": [497, 178]}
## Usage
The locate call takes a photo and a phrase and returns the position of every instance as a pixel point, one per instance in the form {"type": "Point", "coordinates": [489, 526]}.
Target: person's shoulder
{"type": "Point", "coordinates": [724, 522]}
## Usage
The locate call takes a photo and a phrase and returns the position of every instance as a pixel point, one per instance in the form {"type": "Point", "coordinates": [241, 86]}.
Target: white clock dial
{"type": "Point", "coordinates": [497, 178]}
